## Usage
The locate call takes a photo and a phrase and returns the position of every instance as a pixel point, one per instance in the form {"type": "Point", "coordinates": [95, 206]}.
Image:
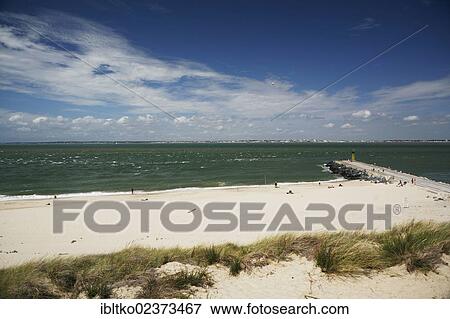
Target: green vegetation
{"type": "Point", "coordinates": [235, 265]}
{"type": "Point", "coordinates": [349, 253]}
{"type": "Point", "coordinates": [418, 245]}
{"type": "Point", "coordinates": [173, 286]}
{"type": "Point", "coordinates": [211, 254]}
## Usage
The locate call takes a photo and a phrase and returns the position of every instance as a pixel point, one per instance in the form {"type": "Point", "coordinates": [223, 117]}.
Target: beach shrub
{"type": "Point", "coordinates": [306, 245]}
{"type": "Point", "coordinates": [276, 247]}
{"type": "Point", "coordinates": [174, 286]}
{"type": "Point", "coordinates": [235, 266]}
{"type": "Point", "coordinates": [348, 253]}
{"type": "Point", "coordinates": [415, 241]}
{"type": "Point", "coordinates": [38, 288]}
{"type": "Point", "coordinates": [185, 279]}
{"type": "Point", "coordinates": [211, 254]}
{"type": "Point", "coordinates": [25, 281]}
{"type": "Point", "coordinates": [97, 289]}
{"type": "Point", "coordinates": [326, 259]}
{"type": "Point", "coordinates": [425, 261]}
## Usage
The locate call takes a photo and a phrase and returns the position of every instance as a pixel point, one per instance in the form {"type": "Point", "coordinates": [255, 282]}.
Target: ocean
{"type": "Point", "coordinates": [47, 169]}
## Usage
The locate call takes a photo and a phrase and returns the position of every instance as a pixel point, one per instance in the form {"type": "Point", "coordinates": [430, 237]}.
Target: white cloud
{"type": "Point", "coordinates": [347, 125]}
{"type": "Point", "coordinates": [145, 118]}
{"type": "Point", "coordinates": [87, 120]}
{"type": "Point", "coordinates": [414, 92]}
{"type": "Point", "coordinates": [411, 118]}
{"type": "Point", "coordinates": [16, 117]}
{"type": "Point", "coordinates": [182, 120]}
{"type": "Point", "coordinates": [32, 66]}
{"type": "Point", "coordinates": [123, 120]}
{"type": "Point", "coordinates": [198, 96]}
{"type": "Point", "coordinates": [364, 114]}
{"type": "Point", "coordinates": [197, 127]}
{"type": "Point", "coordinates": [40, 119]}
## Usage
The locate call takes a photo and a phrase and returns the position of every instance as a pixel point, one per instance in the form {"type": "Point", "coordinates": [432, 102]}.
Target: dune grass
{"type": "Point", "coordinates": [418, 245]}
{"type": "Point", "coordinates": [172, 286]}
{"type": "Point", "coordinates": [349, 253]}
{"type": "Point", "coordinates": [212, 254]}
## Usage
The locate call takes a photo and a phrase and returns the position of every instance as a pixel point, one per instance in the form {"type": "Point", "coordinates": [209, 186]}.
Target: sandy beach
{"type": "Point", "coordinates": [26, 235]}
{"type": "Point", "coordinates": [26, 225]}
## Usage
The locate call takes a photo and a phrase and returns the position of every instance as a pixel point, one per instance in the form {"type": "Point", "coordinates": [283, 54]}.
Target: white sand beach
{"type": "Point", "coordinates": [26, 234]}
{"type": "Point", "coordinates": [26, 225]}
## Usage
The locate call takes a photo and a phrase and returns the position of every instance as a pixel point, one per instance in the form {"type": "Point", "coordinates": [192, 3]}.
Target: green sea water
{"type": "Point", "coordinates": [82, 168]}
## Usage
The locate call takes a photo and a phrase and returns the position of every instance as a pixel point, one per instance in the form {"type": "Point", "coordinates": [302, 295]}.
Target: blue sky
{"type": "Point", "coordinates": [223, 70]}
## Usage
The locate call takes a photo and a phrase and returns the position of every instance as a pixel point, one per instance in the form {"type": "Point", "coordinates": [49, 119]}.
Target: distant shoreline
{"type": "Point", "coordinates": [306, 141]}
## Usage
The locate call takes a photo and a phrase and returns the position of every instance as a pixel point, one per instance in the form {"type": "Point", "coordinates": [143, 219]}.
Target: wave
{"type": "Point", "coordinates": [325, 168]}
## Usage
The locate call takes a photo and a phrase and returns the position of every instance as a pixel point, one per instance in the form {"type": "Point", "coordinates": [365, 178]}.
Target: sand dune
{"type": "Point", "coordinates": [300, 278]}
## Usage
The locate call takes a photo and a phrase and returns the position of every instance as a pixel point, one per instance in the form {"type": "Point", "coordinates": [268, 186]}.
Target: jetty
{"type": "Point", "coordinates": [352, 169]}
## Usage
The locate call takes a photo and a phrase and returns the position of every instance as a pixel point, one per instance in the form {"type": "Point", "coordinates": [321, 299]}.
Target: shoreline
{"type": "Point", "coordinates": [4, 198]}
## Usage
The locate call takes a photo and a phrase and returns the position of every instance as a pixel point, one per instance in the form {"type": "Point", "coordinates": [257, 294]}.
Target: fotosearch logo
{"type": "Point", "coordinates": [219, 216]}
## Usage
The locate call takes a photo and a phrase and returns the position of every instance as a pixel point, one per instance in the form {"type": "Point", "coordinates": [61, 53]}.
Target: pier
{"type": "Point", "coordinates": [360, 170]}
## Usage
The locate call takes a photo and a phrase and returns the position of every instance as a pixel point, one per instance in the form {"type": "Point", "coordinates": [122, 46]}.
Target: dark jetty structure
{"type": "Point", "coordinates": [353, 173]}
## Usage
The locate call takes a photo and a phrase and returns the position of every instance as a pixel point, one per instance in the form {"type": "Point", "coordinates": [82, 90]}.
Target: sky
{"type": "Point", "coordinates": [224, 70]}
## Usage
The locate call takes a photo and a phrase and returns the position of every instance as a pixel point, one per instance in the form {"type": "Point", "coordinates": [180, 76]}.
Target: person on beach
{"type": "Point", "coordinates": [276, 185]}
{"type": "Point", "coordinates": [132, 191]}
